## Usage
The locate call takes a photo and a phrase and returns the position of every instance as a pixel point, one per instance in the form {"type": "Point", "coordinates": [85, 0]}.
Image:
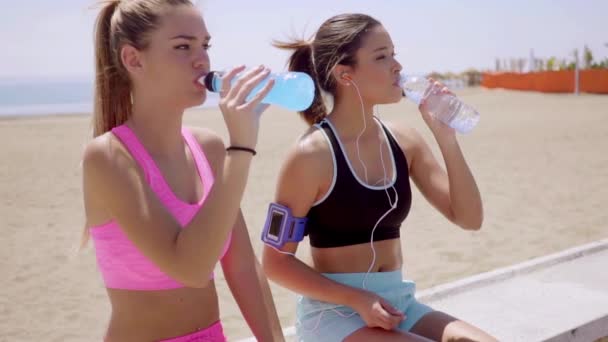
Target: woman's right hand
{"type": "Point", "coordinates": [377, 311]}
{"type": "Point", "coordinates": [243, 118]}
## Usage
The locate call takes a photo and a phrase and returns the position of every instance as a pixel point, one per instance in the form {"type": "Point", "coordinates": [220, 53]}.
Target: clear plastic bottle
{"type": "Point", "coordinates": [447, 108]}
{"type": "Point", "coordinates": [292, 90]}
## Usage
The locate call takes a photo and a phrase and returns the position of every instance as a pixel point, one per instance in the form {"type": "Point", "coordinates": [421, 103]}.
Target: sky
{"type": "Point", "coordinates": [44, 39]}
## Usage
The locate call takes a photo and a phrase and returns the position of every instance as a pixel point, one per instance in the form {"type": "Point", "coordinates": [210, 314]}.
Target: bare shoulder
{"type": "Point", "coordinates": [311, 152]}
{"type": "Point", "coordinates": [305, 172]}
{"type": "Point", "coordinates": [107, 166]}
{"type": "Point", "coordinates": [208, 139]}
{"type": "Point", "coordinates": [107, 163]}
{"type": "Point", "coordinates": [105, 154]}
{"type": "Point", "coordinates": [212, 145]}
{"type": "Point", "coordinates": [409, 138]}
{"type": "Point", "coordinates": [96, 152]}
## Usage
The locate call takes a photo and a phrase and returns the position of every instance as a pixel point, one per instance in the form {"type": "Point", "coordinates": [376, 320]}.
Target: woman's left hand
{"type": "Point", "coordinates": [438, 128]}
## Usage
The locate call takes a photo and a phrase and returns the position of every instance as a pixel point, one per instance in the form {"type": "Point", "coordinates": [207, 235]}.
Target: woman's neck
{"type": "Point", "coordinates": [352, 117]}
{"type": "Point", "coordinates": [158, 126]}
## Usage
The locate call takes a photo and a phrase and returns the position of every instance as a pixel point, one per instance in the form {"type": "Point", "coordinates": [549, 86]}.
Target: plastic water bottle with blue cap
{"type": "Point", "coordinates": [447, 108]}
{"type": "Point", "coordinates": [291, 90]}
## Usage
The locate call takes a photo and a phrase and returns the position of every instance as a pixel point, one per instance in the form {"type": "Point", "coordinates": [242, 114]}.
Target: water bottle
{"type": "Point", "coordinates": [446, 108]}
{"type": "Point", "coordinates": [292, 90]}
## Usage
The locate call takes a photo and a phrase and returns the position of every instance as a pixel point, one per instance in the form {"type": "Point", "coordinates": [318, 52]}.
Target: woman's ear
{"type": "Point", "coordinates": [131, 59]}
{"type": "Point", "coordinates": [342, 74]}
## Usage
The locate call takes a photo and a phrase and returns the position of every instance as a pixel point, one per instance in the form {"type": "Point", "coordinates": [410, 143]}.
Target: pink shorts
{"type": "Point", "coordinates": [214, 333]}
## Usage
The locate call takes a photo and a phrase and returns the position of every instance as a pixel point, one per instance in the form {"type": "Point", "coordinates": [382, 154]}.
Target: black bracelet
{"type": "Point", "coordinates": [240, 148]}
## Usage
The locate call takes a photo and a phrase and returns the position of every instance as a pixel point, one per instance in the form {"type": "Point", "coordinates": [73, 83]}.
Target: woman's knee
{"type": "Point", "coordinates": [377, 334]}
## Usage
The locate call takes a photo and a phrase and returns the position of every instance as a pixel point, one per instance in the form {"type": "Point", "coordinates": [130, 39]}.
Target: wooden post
{"type": "Point", "coordinates": [576, 73]}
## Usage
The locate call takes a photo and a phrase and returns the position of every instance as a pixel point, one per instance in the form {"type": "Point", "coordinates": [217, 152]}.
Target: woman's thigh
{"type": "Point", "coordinates": [376, 334]}
{"type": "Point", "coordinates": [439, 326]}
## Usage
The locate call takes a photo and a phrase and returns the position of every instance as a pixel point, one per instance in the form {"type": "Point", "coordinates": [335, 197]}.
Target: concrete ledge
{"type": "Point", "coordinates": [483, 279]}
{"type": "Point", "coordinates": [589, 332]}
{"type": "Point", "coordinates": [558, 297]}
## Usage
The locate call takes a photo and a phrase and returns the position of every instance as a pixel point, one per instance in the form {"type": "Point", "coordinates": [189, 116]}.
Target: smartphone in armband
{"type": "Point", "coordinates": [282, 227]}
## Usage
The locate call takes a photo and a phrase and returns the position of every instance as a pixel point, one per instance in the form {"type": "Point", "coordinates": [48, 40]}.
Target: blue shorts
{"type": "Point", "coordinates": [322, 321]}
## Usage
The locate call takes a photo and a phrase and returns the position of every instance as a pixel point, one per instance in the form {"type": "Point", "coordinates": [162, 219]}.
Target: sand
{"type": "Point", "coordinates": [540, 161]}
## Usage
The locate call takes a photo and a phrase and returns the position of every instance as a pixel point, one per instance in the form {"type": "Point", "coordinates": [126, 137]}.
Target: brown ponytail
{"type": "Point", "coordinates": [335, 42]}
{"type": "Point", "coordinates": [112, 86]}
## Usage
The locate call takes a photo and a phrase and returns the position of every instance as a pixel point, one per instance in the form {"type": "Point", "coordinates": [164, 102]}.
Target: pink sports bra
{"type": "Point", "coordinates": [121, 264]}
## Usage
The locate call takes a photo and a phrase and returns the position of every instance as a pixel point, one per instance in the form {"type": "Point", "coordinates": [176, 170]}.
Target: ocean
{"type": "Point", "coordinates": [51, 97]}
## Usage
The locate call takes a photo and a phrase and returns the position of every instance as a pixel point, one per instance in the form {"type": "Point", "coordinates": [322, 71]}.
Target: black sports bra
{"type": "Point", "coordinates": [348, 213]}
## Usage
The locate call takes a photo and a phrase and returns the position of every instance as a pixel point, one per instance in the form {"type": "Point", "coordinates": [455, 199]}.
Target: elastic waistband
{"type": "Point", "coordinates": [374, 281]}
{"type": "Point", "coordinates": [213, 333]}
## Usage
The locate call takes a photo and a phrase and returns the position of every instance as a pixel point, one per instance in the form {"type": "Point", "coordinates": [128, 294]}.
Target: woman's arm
{"type": "Point", "coordinates": [249, 285]}
{"type": "Point", "coordinates": [454, 193]}
{"type": "Point", "coordinates": [297, 188]}
{"type": "Point", "coordinates": [188, 255]}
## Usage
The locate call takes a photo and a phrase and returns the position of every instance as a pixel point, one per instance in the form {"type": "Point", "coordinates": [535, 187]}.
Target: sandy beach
{"type": "Point", "coordinates": [540, 161]}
